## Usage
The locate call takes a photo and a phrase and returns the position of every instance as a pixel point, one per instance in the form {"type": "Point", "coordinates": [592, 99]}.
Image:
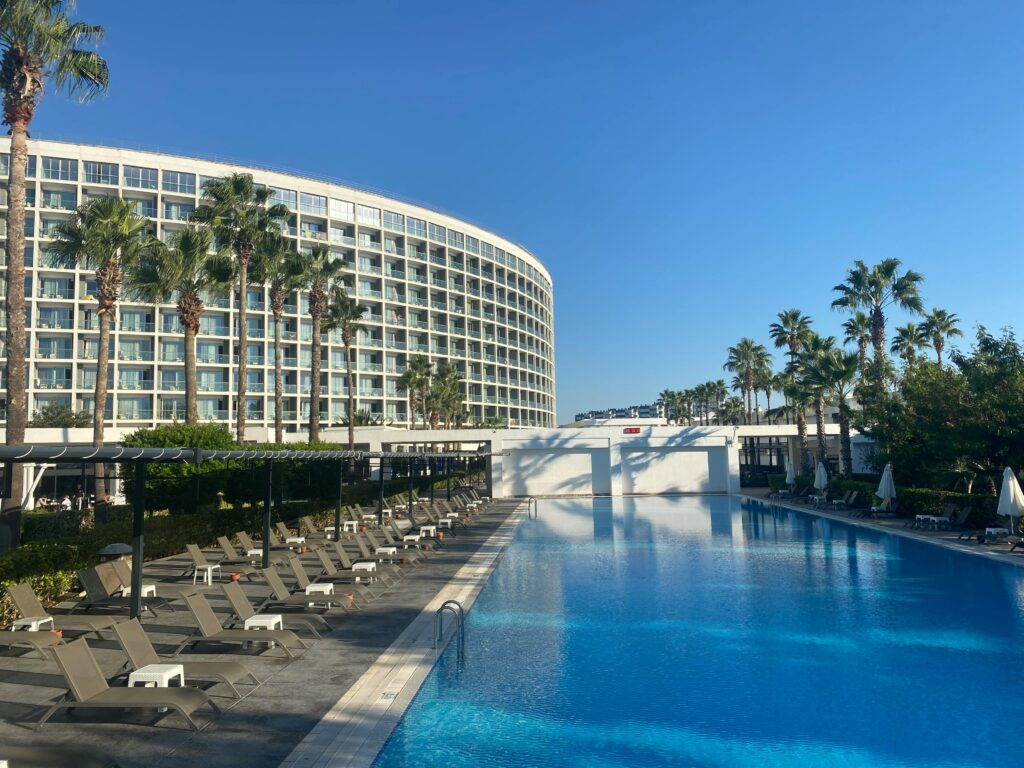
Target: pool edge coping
{"type": "Point", "coordinates": [356, 728]}
{"type": "Point", "coordinates": [907, 533]}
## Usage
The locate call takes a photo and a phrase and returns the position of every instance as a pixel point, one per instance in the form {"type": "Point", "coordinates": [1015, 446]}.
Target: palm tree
{"type": "Point", "coordinates": [416, 381]}
{"type": "Point", "coordinates": [814, 348]}
{"type": "Point", "coordinates": [857, 330]}
{"type": "Point", "coordinates": [320, 271]}
{"type": "Point", "coordinates": [940, 326]}
{"type": "Point", "coordinates": [237, 211]}
{"type": "Point", "coordinates": [344, 314]}
{"type": "Point", "coordinates": [909, 340]}
{"type": "Point", "coordinates": [700, 394]}
{"type": "Point", "coordinates": [835, 373]}
{"type": "Point", "coordinates": [684, 409]}
{"type": "Point", "coordinates": [791, 331]}
{"type": "Point", "coordinates": [732, 411]}
{"type": "Point", "coordinates": [667, 399]}
{"type": "Point", "coordinates": [38, 41]}
{"type": "Point", "coordinates": [745, 359]}
{"type": "Point", "coordinates": [277, 266]}
{"type": "Point", "coordinates": [185, 271]}
{"type": "Point", "coordinates": [107, 237]}
{"type": "Point", "coordinates": [801, 398]}
{"type": "Point", "coordinates": [875, 289]}
{"type": "Point", "coordinates": [763, 382]}
{"type": "Point", "coordinates": [446, 393]}
{"type": "Point", "coordinates": [719, 392]}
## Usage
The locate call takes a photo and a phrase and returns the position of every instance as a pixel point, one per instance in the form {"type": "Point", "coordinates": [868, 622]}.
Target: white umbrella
{"type": "Point", "coordinates": [821, 477]}
{"type": "Point", "coordinates": [1011, 499]}
{"type": "Point", "coordinates": [790, 476]}
{"type": "Point", "coordinates": [886, 487]}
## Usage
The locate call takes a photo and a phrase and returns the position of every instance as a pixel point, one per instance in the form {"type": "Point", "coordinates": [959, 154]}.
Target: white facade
{"type": "Point", "coordinates": [433, 285]}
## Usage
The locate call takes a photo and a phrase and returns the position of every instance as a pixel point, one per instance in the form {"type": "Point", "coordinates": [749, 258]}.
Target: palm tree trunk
{"type": "Point", "coordinates": [350, 374]}
{"type": "Point", "coordinates": [878, 341]}
{"type": "Point", "coordinates": [757, 408]}
{"type": "Point", "coordinates": [768, 405]}
{"type": "Point", "coordinates": [99, 404]}
{"type": "Point", "coordinates": [191, 404]}
{"type": "Point", "coordinates": [845, 452]}
{"type": "Point", "coordinates": [314, 387]}
{"type": "Point", "coordinates": [243, 343]}
{"type": "Point", "coordinates": [278, 385]}
{"type": "Point", "coordinates": [805, 449]}
{"type": "Point", "coordinates": [17, 401]}
{"type": "Point", "coordinates": [819, 417]}
{"type": "Point", "coordinates": [937, 343]}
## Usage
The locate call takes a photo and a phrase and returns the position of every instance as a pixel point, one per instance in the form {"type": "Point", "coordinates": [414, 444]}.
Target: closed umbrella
{"type": "Point", "coordinates": [790, 476]}
{"type": "Point", "coordinates": [1011, 499]}
{"type": "Point", "coordinates": [886, 487]}
{"type": "Point", "coordinates": [821, 477]}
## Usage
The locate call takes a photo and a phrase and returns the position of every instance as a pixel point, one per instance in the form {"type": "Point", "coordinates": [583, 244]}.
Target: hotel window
{"type": "Point", "coordinates": [100, 173]}
{"type": "Point", "coordinates": [394, 221]}
{"type": "Point", "coordinates": [286, 197]}
{"type": "Point", "coordinates": [60, 169]}
{"type": "Point", "coordinates": [342, 210]}
{"type": "Point", "coordinates": [204, 180]}
{"type": "Point", "coordinates": [437, 233]}
{"type": "Point", "coordinates": [416, 227]}
{"type": "Point", "coordinates": [369, 216]}
{"type": "Point", "coordinates": [30, 167]}
{"type": "Point", "coordinates": [472, 245]}
{"type": "Point", "coordinates": [5, 164]}
{"type": "Point", "coordinates": [455, 239]}
{"type": "Point", "coordinates": [178, 211]}
{"type": "Point", "coordinates": [313, 204]}
{"type": "Point", "coordinates": [143, 207]}
{"type": "Point", "coordinates": [139, 178]}
{"type": "Point", "coordinates": [487, 251]}
{"type": "Point", "coordinates": [183, 183]}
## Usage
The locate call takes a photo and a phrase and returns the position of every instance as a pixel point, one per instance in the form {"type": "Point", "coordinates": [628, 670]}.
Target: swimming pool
{"type": "Point", "coordinates": [702, 631]}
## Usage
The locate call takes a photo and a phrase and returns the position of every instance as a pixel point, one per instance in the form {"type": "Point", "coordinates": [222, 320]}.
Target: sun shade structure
{"type": "Point", "coordinates": [1011, 499]}
{"type": "Point", "coordinates": [790, 475]}
{"type": "Point", "coordinates": [821, 477]}
{"type": "Point", "coordinates": [886, 487]}
{"type": "Point", "coordinates": [141, 457]}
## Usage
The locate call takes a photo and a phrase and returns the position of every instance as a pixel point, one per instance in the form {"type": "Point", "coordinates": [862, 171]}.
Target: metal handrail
{"type": "Point", "coordinates": [456, 609]}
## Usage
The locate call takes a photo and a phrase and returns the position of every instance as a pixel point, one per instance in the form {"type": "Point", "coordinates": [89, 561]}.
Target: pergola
{"type": "Point", "coordinates": [140, 458]}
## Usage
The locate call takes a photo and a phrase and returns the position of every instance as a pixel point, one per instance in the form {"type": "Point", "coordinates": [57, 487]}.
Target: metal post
{"type": "Point", "coordinates": [448, 473]}
{"type": "Point", "coordinates": [380, 494]}
{"type": "Point", "coordinates": [268, 502]}
{"type": "Point", "coordinates": [410, 480]}
{"type": "Point", "coordinates": [138, 527]}
{"type": "Point", "coordinates": [337, 506]}
{"type": "Point", "coordinates": [433, 477]}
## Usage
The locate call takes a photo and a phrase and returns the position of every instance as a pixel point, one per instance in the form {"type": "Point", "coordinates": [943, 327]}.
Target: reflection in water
{"type": "Point", "coordinates": [696, 631]}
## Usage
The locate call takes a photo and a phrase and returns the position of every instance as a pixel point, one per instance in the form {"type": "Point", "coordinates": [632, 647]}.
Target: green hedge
{"type": "Point", "coordinates": [776, 482]}
{"type": "Point", "coordinates": [920, 501]}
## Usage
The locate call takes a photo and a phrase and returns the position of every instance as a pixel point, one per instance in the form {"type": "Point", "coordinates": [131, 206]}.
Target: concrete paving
{"type": "Point", "coordinates": [262, 728]}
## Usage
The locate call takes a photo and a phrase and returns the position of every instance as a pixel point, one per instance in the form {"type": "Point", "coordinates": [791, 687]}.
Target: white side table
{"type": "Point", "coordinates": [367, 566]}
{"type": "Point", "coordinates": [33, 623]}
{"type": "Point", "coordinates": [349, 526]}
{"type": "Point", "coordinates": [428, 530]}
{"type": "Point", "coordinates": [157, 675]}
{"type": "Point", "coordinates": [445, 522]}
{"type": "Point", "coordinates": [996, 532]}
{"type": "Point", "coordinates": [411, 538]}
{"type": "Point", "coordinates": [254, 553]}
{"type": "Point", "coordinates": [326, 588]}
{"type": "Point", "coordinates": [148, 590]}
{"type": "Point", "coordinates": [265, 621]}
{"type": "Point", "coordinates": [207, 573]}
{"type": "Point", "coordinates": [295, 540]}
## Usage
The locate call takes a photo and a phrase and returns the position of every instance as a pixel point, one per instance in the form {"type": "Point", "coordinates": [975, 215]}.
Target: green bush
{"type": "Point", "coordinates": [776, 482]}
{"type": "Point", "coordinates": [919, 501]}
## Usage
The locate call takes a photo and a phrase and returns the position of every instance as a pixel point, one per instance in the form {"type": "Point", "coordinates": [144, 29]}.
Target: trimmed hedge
{"type": "Point", "coordinates": [921, 501]}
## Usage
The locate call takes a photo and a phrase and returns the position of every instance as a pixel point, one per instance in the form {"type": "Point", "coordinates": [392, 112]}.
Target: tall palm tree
{"type": "Point", "coordinates": [940, 326]}
{"type": "Point", "coordinates": [184, 272]}
{"type": "Point", "coordinates": [38, 42]}
{"type": "Point", "coordinates": [344, 314]}
{"type": "Point", "coordinates": [791, 331]}
{"type": "Point", "coordinates": [685, 406]}
{"type": "Point", "coordinates": [875, 289]}
{"type": "Point", "coordinates": [237, 211]}
{"type": "Point", "coordinates": [700, 396]}
{"type": "Point", "coordinates": [800, 398]}
{"type": "Point", "coordinates": [814, 348]}
{"type": "Point", "coordinates": [416, 381]}
{"type": "Point", "coordinates": [667, 399]}
{"type": "Point", "coordinates": [277, 266]}
{"type": "Point", "coordinates": [745, 359]}
{"type": "Point", "coordinates": [857, 330]}
{"type": "Point", "coordinates": [732, 411]}
{"type": "Point", "coordinates": [446, 393]}
{"type": "Point", "coordinates": [835, 373]}
{"type": "Point", "coordinates": [763, 382]}
{"type": "Point", "coordinates": [909, 340]}
{"type": "Point", "coordinates": [107, 237]}
{"type": "Point", "coordinates": [318, 275]}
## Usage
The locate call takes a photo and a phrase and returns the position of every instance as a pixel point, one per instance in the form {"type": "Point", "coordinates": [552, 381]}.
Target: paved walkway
{"type": "Point", "coordinates": [947, 539]}
{"type": "Point", "coordinates": [265, 727]}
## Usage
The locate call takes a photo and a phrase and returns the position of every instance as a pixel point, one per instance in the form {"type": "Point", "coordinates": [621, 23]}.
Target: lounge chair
{"type": "Point", "coordinates": [98, 596]}
{"type": "Point", "coordinates": [231, 555]}
{"type": "Point", "coordinates": [122, 572]}
{"type": "Point", "coordinates": [309, 587]}
{"type": "Point", "coordinates": [201, 565]}
{"type": "Point", "coordinates": [330, 572]}
{"type": "Point", "coordinates": [140, 653]}
{"type": "Point", "coordinates": [40, 640]}
{"type": "Point", "coordinates": [383, 575]}
{"type": "Point", "coordinates": [243, 610]}
{"type": "Point", "coordinates": [209, 629]}
{"type": "Point", "coordinates": [254, 546]}
{"type": "Point", "coordinates": [846, 502]}
{"type": "Point", "coordinates": [89, 689]}
{"type": "Point", "coordinates": [282, 597]}
{"type": "Point", "coordinates": [28, 605]}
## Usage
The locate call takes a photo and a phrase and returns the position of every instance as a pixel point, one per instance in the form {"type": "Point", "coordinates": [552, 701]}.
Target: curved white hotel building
{"type": "Point", "coordinates": [433, 285]}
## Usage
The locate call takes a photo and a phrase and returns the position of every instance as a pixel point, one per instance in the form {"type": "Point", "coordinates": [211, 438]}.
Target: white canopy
{"type": "Point", "coordinates": [886, 487]}
{"type": "Point", "coordinates": [790, 475]}
{"type": "Point", "coordinates": [821, 477]}
{"type": "Point", "coordinates": [1011, 499]}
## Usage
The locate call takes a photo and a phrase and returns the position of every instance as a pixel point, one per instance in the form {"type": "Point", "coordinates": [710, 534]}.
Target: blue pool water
{"type": "Point", "coordinates": [698, 631]}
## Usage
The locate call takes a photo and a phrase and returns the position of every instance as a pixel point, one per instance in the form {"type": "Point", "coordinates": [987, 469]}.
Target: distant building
{"type": "Point", "coordinates": [652, 411]}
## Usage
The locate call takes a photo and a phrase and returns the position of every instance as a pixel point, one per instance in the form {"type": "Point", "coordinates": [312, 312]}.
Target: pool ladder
{"type": "Point", "coordinates": [531, 507]}
{"type": "Point", "coordinates": [456, 609]}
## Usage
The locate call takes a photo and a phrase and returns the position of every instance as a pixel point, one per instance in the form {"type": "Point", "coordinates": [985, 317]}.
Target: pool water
{"type": "Point", "coordinates": [702, 631]}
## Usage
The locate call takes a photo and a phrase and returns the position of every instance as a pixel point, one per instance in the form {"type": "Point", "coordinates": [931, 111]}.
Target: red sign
{"type": "Point", "coordinates": [631, 431]}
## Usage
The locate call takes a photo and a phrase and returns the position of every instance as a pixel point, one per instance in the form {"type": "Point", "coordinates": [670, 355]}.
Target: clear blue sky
{"type": "Point", "coordinates": [685, 170]}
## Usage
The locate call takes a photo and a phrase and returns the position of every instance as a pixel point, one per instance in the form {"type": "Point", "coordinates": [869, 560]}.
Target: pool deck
{"type": "Point", "coordinates": [334, 704]}
{"type": "Point", "coordinates": [948, 539]}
